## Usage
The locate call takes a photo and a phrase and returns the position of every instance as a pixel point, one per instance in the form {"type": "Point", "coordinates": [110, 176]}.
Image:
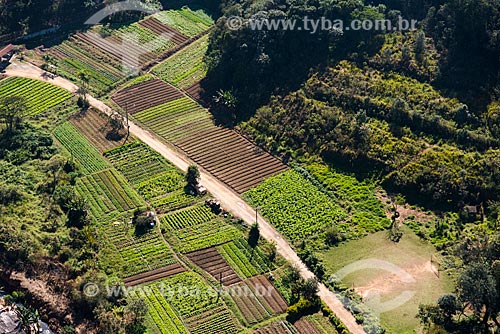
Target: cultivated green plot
{"type": "Point", "coordinates": [162, 317]}
{"type": "Point", "coordinates": [365, 209]}
{"type": "Point", "coordinates": [128, 253]}
{"type": "Point", "coordinates": [202, 235]}
{"type": "Point", "coordinates": [185, 67]}
{"type": "Point", "coordinates": [39, 96]}
{"type": "Point", "coordinates": [193, 215]}
{"type": "Point", "coordinates": [296, 207]}
{"type": "Point", "coordinates": [186, 21]}
{"type": "Point", "coordinates": [148, 172]}
{"type": "Point", "coordinates": [86, 155]}
{"type": "Point", "coordinates": [247, 262]}
{"type": "Point", "coordinates": [106, 192]}
{"type": "Point", "coordinates": [176, 119]}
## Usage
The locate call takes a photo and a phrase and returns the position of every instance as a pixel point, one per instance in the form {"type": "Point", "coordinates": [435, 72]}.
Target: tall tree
{"type": "Point", "coordinates": [11, 111]}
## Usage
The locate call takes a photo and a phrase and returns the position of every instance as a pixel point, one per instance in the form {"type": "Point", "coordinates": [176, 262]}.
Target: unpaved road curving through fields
{"type": "Point", "coordinates": [229, 199]}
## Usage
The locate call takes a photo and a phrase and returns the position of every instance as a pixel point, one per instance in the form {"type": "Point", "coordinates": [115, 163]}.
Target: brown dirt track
{"type": "Point", "coordinates": [154, 275]}
{"type": "Point", "coordinates": [213, 263]}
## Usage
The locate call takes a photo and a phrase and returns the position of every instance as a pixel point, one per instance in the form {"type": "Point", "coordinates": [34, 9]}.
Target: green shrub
{"type": "Point", "coordinates": [301, 308]}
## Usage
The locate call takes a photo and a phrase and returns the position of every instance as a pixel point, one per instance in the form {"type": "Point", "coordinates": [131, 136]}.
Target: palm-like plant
{"type": "Point", "coordinates": [27, 317]}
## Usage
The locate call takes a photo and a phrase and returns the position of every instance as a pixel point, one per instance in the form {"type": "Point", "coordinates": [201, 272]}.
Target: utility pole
{"type": "Point", "coordinates": [256, 215]}
{"type": "Point", "coordinates": [128, 126]}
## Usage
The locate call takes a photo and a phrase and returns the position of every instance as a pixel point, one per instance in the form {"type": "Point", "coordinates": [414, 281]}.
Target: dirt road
{"type": "Point", "coordinates": [229, 199]}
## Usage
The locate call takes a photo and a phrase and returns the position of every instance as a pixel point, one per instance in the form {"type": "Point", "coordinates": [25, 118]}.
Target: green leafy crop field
{"type": "Point", "coordinates": [295, 206]}
{"type": "Point", "coordinates": [40, 96]}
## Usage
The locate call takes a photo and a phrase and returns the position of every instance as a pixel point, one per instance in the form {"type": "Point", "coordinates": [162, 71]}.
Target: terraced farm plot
{"type": "Point", "coordinates": [314, 324]}
{"type": "Point", "coordinates": [189, 294]}
{"type": "Point", "coordinates": [186, 67]}
{"type": "Point", "coordinates": [279, 327]}
{"type": "Point", "coordinates": [39, 96]}
{"type": "Point", "coordinates": [223, 152]}
{"type": "Point", "coordinates": [305, 327]}
{"type": "Point", "coordinates": [257, 300]}
{"type": "Point", "coordinates": [219, 321]}
{"type": "Point", "coordinates": [161, 316]}
{"type": "Point", "coordinates": [230, 157]}
{"type": "Point", "coordinates": [188, 217]}
{"type": "Point", "coordinates": [96, 128]}
{"type": "Point", "coordinates": [247, 262]}
{"type": "Point", "coordinates": [195, 91]}
{"type": "Point", "coordinates": [106, 192]}
{"type": "Point", "coordinates": [175, 200]}
{"type": "Point", "coordinates": [110, 56]}
{"type": "Point", "coordinates": [188, 22]}
{"type": "Point", "coordinates": [161, 29]}
{"type": "Point", "coordinates": [148, 172]}
{"type": "Point", "coordinates": [212, 262]}
{"type": "Point", "coordinates": [177, 119]}
{"type": "Point", "coordinates": [76, 55]}
{"type": "Point", "coordinates": [272, 297]}
{"type": "Point", "coordinates": [200, 236]}
{"type": "Point", "coordinates": [86, 155]}
{"type": "Point", "coordinates": [154, 275]}
{"type": "Point", "coordinates": [136, 253]}
{"type": "Point", "coordinates": [145, 95]}
{"type": "Point", "coordinates": [296, 207]}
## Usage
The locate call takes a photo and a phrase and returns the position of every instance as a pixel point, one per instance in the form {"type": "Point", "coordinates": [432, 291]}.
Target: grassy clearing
{"type": "Point", "coordinates": [410, 254]}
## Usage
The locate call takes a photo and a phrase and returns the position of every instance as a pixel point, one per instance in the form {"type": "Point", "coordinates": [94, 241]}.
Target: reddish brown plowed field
{"type": "Point", "coordinates": [154, 275]}
{"type": "Point", "coordinates": [230, 157]}
{"type": "Point", "coordinates": [160, 29]}
{"type": "Point", "coordinates": [271, 295]}
{"type": "Point", "coordinates": [303, 326]}
{"type": "Point", "coordinates": [212, 262]}
{"type": "Point", "coordinates": [252, 307]}
{"type": "Point", "coordinates": [95, 128]}
{"type": "Point", "coordinates": [145, 95]}
{"type": "Point", "coordinates": [195, 91]}
{"type": "Point", "coordinates": [280, 327]}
